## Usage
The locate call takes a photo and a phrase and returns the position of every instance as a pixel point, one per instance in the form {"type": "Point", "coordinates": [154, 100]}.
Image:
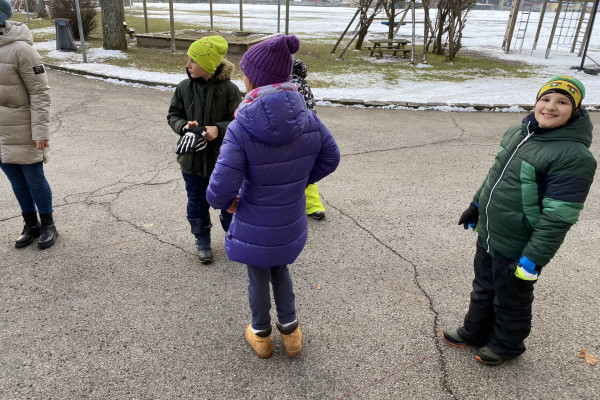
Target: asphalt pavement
{"type": "Point", "coordinates": [119, 308]}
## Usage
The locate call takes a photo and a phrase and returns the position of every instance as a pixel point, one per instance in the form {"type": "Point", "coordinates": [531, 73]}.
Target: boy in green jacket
{"type": "Point", "coordinates": [529, 200]}
{"type": "Point", "coordinates": [201, 108]}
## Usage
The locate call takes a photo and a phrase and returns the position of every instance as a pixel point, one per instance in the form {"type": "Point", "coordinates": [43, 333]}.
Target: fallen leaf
{"type": "Point", "coordinates": [588, 357]}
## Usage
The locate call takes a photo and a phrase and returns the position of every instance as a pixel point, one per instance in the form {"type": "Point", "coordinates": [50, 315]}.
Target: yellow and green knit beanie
{"type": "Point", "coordinates": [567, 85]}
{"type": "Point", "coordinates": [208, 52]}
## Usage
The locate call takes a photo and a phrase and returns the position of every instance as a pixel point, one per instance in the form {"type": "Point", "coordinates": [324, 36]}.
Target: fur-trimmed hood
{"type": "Point", "coordinates": [223, 72]}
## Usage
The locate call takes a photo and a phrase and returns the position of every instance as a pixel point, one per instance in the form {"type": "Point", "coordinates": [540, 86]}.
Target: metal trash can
{"type": "Point", "coordinates": [64, 35]}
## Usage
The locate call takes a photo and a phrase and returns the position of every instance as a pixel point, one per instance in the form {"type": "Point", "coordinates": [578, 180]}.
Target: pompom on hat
{"type": "Point", "coordinates": [5, 11]}
{"type": "Point", "coordinates": [270, 61]}
{"type": "Point", "coordinates": [567, 85]}
{"type": "Point", "coordinates": [208, 52]}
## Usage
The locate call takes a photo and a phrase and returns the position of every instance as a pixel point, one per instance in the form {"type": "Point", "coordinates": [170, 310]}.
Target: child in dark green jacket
{"type": "Point", "coordinates": [201, 108]}
{"type": "Point", "coordinates": [529, 200]}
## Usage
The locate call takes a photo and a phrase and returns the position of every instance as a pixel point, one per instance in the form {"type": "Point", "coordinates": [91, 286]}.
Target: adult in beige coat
{"type": "Point", "coordinates": [24, 128]}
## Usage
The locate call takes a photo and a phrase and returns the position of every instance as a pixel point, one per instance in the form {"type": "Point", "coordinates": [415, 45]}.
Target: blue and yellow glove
{"type": "Point", "coordinates": [526, 270]}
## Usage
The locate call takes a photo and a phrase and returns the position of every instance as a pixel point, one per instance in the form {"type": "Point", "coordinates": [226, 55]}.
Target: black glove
{"type": "Point", "coordinates": [192, 140]}
{"type": "Point", "coordinates": [469, 218]}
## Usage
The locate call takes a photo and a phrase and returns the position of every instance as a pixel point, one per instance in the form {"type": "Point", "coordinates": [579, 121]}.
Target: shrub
{"type": "Point", "coordinates": [66, 9]}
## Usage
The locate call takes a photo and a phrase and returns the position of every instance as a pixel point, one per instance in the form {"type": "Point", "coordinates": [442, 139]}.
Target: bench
{"type": "Point", "coordinates": [129, 31]}
{"type": "Point", "coordinates": [382, 50]}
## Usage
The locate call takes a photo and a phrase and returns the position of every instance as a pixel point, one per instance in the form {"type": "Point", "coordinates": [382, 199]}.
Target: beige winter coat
{"type": "Point", "coordinates": [24, 97]}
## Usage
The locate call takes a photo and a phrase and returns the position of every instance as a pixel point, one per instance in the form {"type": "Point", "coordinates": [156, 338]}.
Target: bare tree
{"type": "Point", "coordinates": [450, 21]}
{"type": "Point", "coordinates": [366, 19]}
{"type": "Point", "coordinates": [113, 15]}
{"type": "Point", "coordinates": [391, 11]}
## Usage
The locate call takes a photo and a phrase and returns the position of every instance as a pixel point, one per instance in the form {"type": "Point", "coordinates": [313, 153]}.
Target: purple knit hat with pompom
{"type": "Point", "coordinates": [270, 61]}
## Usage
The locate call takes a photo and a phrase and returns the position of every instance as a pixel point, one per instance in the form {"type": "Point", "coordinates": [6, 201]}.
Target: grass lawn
{"type": "Point", "coordinates": [323, 66]}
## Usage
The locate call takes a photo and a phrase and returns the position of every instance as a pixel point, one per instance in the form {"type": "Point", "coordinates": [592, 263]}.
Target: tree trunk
{"type": "Point", "coordinates": [366, 23]}
{"type": "Point", "coordinates": [113, 34]}
{"type": "Point", "coordinates": [438, 44]}
{"type": "Point", "coordinates": [41, 9]}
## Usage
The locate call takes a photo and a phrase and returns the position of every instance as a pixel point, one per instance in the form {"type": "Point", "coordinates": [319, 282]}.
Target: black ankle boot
{"type": "Point", "coordinates": [31, 230]}
{"type": "Point", "coordinates": [49, 233]}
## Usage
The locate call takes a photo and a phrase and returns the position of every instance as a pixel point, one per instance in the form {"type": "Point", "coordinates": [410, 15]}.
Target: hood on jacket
{"type": "Point", "coordinates": [299, 70]}
{"type": "Point", "coordinates": [15, 32]}
{"type": "Point", "coordinates": [577, 130]}
{"type": "Point", "coordinates": [223, 72]}
{"type": "Point", "coordinates": [280, 118]}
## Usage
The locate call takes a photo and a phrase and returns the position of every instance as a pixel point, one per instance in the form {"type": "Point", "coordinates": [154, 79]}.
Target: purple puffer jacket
{"type": "Point", "coordinates": [270, 153]}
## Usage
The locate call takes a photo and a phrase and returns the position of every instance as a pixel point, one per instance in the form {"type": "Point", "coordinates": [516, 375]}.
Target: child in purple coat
{"type": "Point", "coordinates": [270, 153]}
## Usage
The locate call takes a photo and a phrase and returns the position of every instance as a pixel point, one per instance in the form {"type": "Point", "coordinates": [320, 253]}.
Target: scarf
{"type": "Point", "coordinates": [263, 91]}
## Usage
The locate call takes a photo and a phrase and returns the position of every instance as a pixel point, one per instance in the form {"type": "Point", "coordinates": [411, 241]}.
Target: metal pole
{"type": "Point", "coordinates": [587, 42]}
{"type": "Point", "coordinates": [130, 7]}
{"type": "Point", "coordinates": [145, 17]}
{"type": "Point", "coordinates": [287, 17]}
{"type": "Point", "coordinates": [278, 16]}
{"type": "Point", "coordinates": [27, 11]}
{"type": "Point", "coordinates": [172, 21]}
{"type": "Point", "coordinates": [80, 26]}
{"type": "Point", "coordinates": [414, 36]}
{"type": "Point", "coordinates": [211, 16]}
{"type": "Point", "coordinates": [426, 23]}
{"type": "Point", "coordinates": [241, 18]}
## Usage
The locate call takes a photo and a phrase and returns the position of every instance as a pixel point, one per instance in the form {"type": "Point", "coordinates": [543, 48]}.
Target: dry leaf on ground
{"type": "Point", "coordinates": [588, 357]}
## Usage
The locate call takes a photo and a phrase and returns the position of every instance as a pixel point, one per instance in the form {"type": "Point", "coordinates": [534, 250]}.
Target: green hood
{"type": "Point", "coordinates": [579, 130]}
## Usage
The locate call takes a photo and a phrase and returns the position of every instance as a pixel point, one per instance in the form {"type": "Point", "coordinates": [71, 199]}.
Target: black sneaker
{"type": "Point", "coordinates": [452, 337]}
{"type": "Point", "coordinates": [486, 356]}
{"type": "Point", "coordinates": [319, 215]}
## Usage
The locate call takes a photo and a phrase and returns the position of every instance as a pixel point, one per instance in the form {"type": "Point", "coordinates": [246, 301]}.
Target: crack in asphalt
{"type": "Point", "coordinates": [132, 185]}
{"type": "Point", "coordinates": [436, 332]}
{"type": "Point", "coordinates": [401, 148]}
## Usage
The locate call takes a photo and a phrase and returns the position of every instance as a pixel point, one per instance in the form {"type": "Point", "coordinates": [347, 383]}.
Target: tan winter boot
{"type": "Point", "coordinates": [292, 339]}
{"type": "Point", "coordinates": [259, 343]}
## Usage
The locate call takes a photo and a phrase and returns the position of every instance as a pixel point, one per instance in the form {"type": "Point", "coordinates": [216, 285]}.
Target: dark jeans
{"type": "Point", "coordinates": [30, 186]}
{"type": "Point", "coordinates": [198, 207]}
{"type": "Point", "coordinates": [499, 313]}
{"type": "Point", "coordinates": [259, 295]}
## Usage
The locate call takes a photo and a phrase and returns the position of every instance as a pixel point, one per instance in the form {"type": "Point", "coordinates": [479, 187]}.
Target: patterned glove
{"type": "Point", "coordinates": [469, 218]}
{"type": "Point", "coordinates": [193, 140]}
{"type": "Point", "coordinates": [526, 270]}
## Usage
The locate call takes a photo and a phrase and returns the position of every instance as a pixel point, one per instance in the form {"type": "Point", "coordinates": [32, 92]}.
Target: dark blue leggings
{"type": "Point", "coordinates": [30, 186]}
{"type": "Point", "coordinates": [259, 295]}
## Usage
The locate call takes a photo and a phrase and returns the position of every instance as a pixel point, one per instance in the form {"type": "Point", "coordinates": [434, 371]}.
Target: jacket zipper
{"type": "Point", "coordinates": [487, 221]}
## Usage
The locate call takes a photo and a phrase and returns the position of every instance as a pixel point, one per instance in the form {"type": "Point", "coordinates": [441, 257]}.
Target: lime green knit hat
{"type": "Point", "coordinates": [208, 52]}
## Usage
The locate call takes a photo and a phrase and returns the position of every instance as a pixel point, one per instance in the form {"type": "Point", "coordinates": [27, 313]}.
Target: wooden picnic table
{"type": "Point", "coordinates": [389, 45]}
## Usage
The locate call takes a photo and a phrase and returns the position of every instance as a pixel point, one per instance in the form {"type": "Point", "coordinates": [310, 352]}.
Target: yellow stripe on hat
{"type": "Point", "coordinates": [562, 85]}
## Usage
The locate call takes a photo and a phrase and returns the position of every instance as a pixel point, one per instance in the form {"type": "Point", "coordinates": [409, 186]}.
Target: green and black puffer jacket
{"type": "Point", "coordinates": [210, 103]}
{"type": "Point", "coordinates": [536, 188]}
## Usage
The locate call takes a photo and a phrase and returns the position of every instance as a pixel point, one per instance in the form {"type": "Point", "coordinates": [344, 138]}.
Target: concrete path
{"type": "Point", "coordinates": [120, 309]}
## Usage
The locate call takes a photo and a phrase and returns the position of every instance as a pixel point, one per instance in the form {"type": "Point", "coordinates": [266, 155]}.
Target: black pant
{"type": "Point", "coordinates": [499, 315]}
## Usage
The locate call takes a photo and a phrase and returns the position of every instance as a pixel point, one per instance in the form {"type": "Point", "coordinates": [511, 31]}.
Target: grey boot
{"type": "Point", "coordinates": [205, 254]}
{"type": "Point", "coordinates": [31, 230]}
{"type": "Point", "coordinates": [201, 230]}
